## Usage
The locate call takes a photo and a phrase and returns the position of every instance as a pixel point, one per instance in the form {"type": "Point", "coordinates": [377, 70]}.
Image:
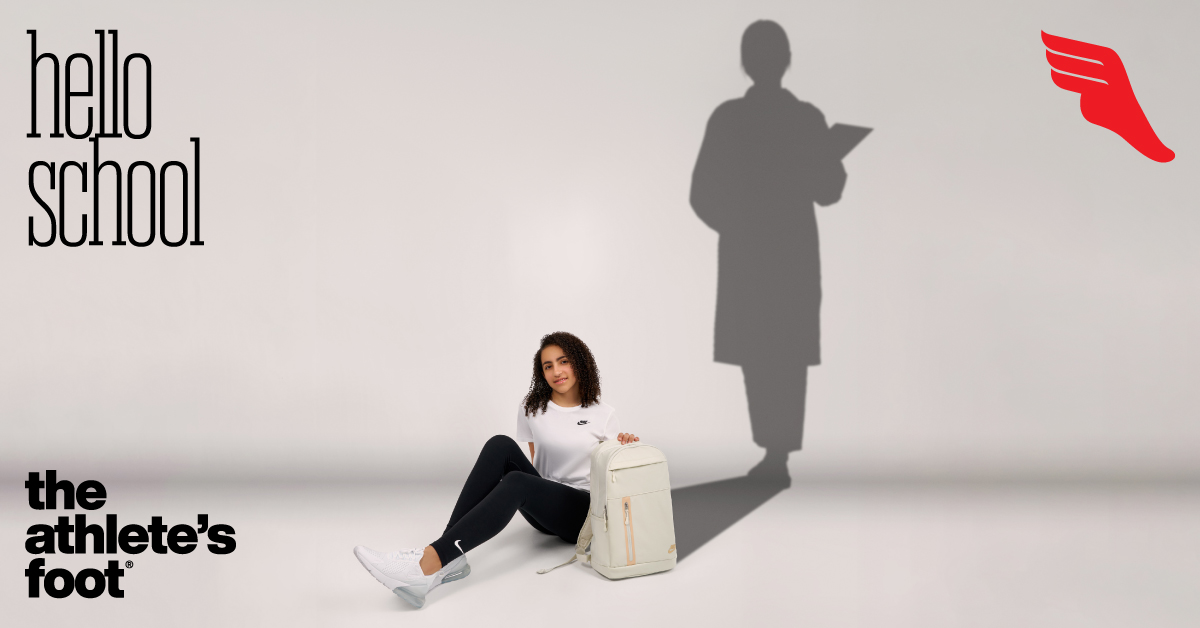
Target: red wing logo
{"type": "Point", "coordinates": [1106, 97]}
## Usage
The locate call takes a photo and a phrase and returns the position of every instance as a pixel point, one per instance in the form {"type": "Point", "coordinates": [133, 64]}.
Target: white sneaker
{"type": "Point", "coordinates": [456, 570]}
{"type": "Point", "coordinates": [400, 571]}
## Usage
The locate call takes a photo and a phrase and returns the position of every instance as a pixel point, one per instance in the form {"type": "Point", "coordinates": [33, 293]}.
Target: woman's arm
{"type": "Point", "coordinates": [531, 449]}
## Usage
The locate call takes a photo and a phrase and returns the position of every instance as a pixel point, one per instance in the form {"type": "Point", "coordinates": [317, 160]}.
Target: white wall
{"type": "Point", "coordinates": [398, 201]}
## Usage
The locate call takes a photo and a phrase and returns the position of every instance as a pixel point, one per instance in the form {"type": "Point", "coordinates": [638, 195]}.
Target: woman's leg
{"type": "Point", "coordinates": [500, 455]}
{"type": "Point", "coordinates": [559, 509]}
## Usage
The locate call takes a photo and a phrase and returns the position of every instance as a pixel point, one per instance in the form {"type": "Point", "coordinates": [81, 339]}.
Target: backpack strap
{"type": "Point", "coordinates": [585, 538]}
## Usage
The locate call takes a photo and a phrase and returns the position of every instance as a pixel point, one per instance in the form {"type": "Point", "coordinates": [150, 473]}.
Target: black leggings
{"type": "Point", "coordinates": [502, 482]}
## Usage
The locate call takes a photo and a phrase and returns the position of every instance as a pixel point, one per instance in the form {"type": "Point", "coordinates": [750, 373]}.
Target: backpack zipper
{"type": "Point", "coordinates": [630, 550]}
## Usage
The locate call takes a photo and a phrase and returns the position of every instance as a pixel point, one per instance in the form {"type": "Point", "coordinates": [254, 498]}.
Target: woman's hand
{"type": "Point", "coordinates": [625, 439]}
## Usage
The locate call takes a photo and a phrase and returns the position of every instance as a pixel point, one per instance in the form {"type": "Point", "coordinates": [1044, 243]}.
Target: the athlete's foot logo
{"type": "Point", "coordinates": [1106, 97]}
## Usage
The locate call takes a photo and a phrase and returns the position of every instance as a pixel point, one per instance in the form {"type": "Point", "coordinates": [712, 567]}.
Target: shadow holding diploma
{"type": "Point", "coordinates": [766, 160]}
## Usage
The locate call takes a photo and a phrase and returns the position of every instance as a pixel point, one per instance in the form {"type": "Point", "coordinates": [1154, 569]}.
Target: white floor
{"type": "Point", "coordinates": [927, 555]}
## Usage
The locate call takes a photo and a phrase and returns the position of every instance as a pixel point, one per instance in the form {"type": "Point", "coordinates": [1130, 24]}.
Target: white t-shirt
{"type": "Point", "coordinates": [563, 439]}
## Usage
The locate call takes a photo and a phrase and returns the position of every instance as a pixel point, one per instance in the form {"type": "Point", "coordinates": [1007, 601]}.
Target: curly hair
{"type": "Point", "coordinates": [582, 363]}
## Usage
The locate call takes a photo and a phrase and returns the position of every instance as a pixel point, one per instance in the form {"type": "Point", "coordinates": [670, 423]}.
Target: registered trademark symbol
{"type": "Point", "coordinates": [128, 564]}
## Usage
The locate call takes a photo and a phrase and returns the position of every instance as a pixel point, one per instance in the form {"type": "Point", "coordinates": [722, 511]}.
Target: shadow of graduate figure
{"type": "Point", "coordinates": [766, 159]}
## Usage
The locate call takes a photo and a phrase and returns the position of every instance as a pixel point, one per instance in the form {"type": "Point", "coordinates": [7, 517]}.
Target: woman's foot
{"type": "Point", "coordinates": [400, 571]}
{"type": "Point", "coordinates": [430, 561]}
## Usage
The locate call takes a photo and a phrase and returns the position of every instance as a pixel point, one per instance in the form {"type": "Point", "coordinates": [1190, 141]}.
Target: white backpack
{"type": "Point", "coordinates": [630, 525]}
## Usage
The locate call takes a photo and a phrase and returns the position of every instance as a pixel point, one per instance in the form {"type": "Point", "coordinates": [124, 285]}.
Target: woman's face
{"type": "Point", "coordinates": [557, 369]}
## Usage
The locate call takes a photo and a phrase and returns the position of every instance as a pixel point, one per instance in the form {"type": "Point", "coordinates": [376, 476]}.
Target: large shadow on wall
{"type": "Point", "coordinates": [766, 159]}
